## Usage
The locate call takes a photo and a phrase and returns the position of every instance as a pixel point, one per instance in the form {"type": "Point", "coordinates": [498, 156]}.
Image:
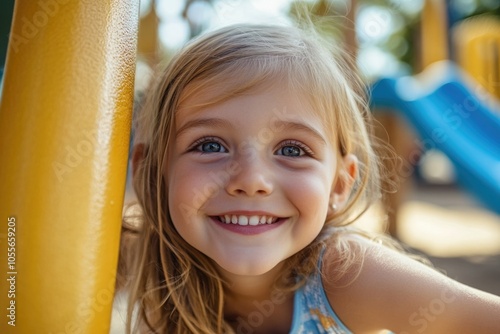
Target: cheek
{"type": "Point", "coordinates": [189, 189]}
{"type": "Point", "coordinates": [311, 194]}
{"type": "Point", "coordinates": [182, 191]}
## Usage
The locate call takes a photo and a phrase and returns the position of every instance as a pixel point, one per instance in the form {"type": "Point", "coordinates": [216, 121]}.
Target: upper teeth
{"type": "Point", "coordinates": [247, 220]}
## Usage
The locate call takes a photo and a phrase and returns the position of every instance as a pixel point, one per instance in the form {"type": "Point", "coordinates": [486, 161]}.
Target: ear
{"type": "Point", "coordinates": [138, 155]}
{"type": "Point", "coordinates": [347, 174]}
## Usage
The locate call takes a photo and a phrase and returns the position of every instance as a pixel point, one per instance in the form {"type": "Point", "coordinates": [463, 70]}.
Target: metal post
{"type": "Point", "coordinates": [64, 133]}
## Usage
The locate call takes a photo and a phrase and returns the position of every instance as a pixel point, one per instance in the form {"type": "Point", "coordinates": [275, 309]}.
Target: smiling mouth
{"type": "Point", "coordinates": [247, 220]}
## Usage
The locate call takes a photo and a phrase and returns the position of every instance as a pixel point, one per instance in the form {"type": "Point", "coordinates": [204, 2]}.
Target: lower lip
{"type": "Point", "coordinates": [248, 229]}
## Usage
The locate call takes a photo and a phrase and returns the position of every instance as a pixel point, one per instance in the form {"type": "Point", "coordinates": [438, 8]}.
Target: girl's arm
{"type": "Point", "coordinates": [392, 291]}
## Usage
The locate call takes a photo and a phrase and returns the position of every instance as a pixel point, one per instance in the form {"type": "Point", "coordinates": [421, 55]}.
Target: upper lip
{"type": "Point", "coordinates": [247, 213]}
{"type": "Point", "coordinates": [244, 218]}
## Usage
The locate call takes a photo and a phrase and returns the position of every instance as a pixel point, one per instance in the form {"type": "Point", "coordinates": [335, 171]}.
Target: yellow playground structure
{"type": "Point", "coordinates": [65, 121]}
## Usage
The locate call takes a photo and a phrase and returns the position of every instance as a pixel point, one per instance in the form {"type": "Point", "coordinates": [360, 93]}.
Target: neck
{"type": "Point", "coordinates": [250, 287]}
{"type": "Point", "coordinates": [245, 295]}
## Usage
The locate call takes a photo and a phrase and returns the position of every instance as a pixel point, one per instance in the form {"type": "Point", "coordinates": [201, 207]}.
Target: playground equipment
{"type": "Point", "coordinates": [449, 116]}
{"type": "Point", "coordinates": [433, 33]}
{"type": "Point", "coordinates": [475, 47]}
{"type": "Point", "coordinates": [477, 44]}
{"type": "Point", "coordinates": [65, 121]}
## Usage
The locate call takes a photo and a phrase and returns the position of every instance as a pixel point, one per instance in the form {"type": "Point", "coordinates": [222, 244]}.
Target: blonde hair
{"type": "Point", "coordinates": [175, 288]}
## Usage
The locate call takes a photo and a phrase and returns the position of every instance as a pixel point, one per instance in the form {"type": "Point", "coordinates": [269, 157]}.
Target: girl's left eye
{"type": "Point", "coordinates": [293, 149]}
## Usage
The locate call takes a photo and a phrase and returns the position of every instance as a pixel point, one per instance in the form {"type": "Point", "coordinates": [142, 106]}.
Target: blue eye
{"type": "Point", "coordinates": [211, 147]}
{"type": "Point", "coordinates": [290, 151]}
{"type": "Point", "coordinates": [208, 145]}
{"type": "Point", "coordinates": [292, 148]}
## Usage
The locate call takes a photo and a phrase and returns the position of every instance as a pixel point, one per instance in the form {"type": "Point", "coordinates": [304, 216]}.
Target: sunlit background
{"type": "Point", "coordinates": [384, 28]}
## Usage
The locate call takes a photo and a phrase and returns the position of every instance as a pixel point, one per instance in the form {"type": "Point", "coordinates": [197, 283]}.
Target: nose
{"type": "Point", "coordinates": [254, 177]}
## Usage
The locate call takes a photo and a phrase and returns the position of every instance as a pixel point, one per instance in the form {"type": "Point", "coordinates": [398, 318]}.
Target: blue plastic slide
{"type": "Point", "coordinates": [449, 114]}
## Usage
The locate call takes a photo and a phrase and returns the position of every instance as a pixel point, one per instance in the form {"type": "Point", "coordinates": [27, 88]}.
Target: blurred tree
{"type": "Point", "coordinates": [386, 25]}
{"type": "Point", "coordinates": [6, 11]}
{"type": "Point", "coordinates": [390, 26]}
{"type": "Point", "coordinates": [385, 32]}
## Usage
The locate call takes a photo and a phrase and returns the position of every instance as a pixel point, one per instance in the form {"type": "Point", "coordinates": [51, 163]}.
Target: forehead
{"type": "Point", "coordinates": [200, 96]}
{"type": "Point", "coordinates": [263, 109]}
{"type": "Point", "coordinates": [274, 98]}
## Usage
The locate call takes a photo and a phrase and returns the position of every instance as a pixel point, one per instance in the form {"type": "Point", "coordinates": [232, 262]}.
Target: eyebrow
{"type": "Point", "coordinates": [203, 122]}
{"type": "Point", "coordinates": [289, 125]}
{"type": "Point", "coordinates": [221, 123]}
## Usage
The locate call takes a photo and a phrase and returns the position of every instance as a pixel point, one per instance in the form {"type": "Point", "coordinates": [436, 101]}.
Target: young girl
{"type": "Point", "coordinates": [253, 152]}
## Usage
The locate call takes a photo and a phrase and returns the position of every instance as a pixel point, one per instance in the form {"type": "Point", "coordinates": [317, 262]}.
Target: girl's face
{"type": "Point", "coordinates": [250, 179]}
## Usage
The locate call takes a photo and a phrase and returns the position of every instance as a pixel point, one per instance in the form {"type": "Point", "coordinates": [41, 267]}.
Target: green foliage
{"type": "Point", "coordinates": [6, 11]}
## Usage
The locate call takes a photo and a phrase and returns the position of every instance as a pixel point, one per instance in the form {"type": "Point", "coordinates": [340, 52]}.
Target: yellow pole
{"type": "Point", "coordinates": [477, 41]}
{"type": "Point", "coordinates": [148, 44]}
{"type": "Point", "coordinates": [434, 32]}
{"type": "Point", "coordinates": [64, 133]}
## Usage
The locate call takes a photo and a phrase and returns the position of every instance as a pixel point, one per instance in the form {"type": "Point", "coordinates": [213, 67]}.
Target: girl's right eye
{"type": "Point", "coordinates": [208, 145]}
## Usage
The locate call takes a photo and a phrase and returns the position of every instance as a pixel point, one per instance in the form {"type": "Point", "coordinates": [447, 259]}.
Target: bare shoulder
{"type": "Point", "coordinates": [386, 289]}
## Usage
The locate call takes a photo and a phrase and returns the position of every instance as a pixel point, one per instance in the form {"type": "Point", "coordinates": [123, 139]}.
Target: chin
{"type": "Point", "coordinates": [246, 268]}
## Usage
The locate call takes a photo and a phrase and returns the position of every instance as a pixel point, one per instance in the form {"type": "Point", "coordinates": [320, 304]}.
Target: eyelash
{"type": "Point", "coordinates": [290, 142]}
{"type": "Point", "coordinates": [201, 141]}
